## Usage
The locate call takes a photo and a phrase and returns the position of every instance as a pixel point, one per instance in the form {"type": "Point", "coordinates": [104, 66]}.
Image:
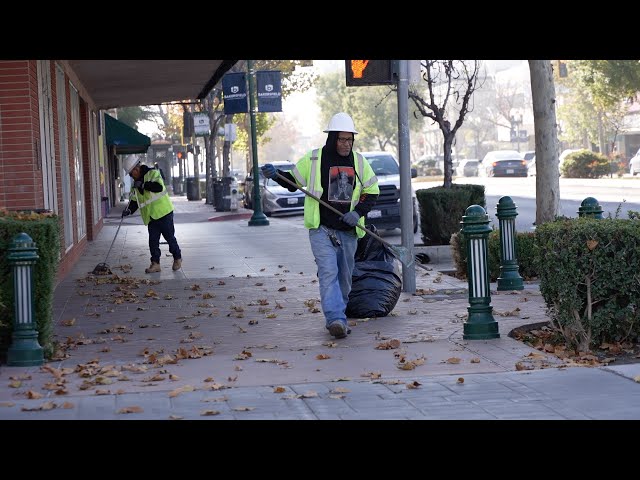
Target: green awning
{"type": "Point", "coordinates": [126, 139]}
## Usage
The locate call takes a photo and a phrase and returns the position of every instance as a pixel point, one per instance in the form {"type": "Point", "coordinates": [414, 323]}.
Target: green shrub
{"type": "Point", "coordinates": [585, 164]}
{"type": "Point", "coordinates": [44, 230]}
{"type": "Point", "coordinates": [442, 209]}
{"type": "Point", "coordinates": [525, 242]}
{"type": "Point", "coordinates": [588, 272]}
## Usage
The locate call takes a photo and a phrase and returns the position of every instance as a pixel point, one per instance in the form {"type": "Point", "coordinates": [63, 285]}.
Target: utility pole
{"type": "Point", "coordinates": [258, 218]}
{"type": "Point", "coordinates": [196, 167]}
{"type": "Point", "coordinates": [406, 202]}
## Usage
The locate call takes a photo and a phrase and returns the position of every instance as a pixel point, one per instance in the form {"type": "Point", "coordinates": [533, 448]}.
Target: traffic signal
{"type": "Point", "coordinates": [369, 72]}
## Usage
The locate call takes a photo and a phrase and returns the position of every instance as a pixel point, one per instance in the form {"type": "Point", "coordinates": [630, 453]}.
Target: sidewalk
{"type": "Point", "coordinates": [237, 334]}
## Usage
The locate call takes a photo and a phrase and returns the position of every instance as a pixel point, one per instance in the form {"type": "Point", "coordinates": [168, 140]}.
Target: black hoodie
{"type": "Point", "coordinates": [331, 158]}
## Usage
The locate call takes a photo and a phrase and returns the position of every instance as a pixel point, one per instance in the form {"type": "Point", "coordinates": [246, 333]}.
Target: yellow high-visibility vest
{"type": "Point", "coordinates": [307, 174]}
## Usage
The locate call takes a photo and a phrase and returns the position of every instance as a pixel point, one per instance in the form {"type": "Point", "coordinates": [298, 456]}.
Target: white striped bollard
{"type": "Point", "coordinates": [480, 323]}
{"type": "Point", "coordinates": [25, 351]}
{"type": "Point", "coordinates": [509, 278]}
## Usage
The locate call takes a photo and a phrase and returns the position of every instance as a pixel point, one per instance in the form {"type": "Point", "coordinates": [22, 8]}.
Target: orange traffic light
{"type": "Point", "coordinates": [369, 72]}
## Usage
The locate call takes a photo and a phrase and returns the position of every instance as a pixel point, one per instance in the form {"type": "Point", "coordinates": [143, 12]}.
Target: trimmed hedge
{"type": "Point", "coordinates": [589, 278]}
{"type": "Point", "coordinates": [44, 230]}
{"type": "Point", "coordinates": [442, 209]}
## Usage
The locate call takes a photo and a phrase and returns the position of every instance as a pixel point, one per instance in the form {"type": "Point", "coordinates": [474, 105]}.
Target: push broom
{"type": "Point", "coordinates": [401, 253]}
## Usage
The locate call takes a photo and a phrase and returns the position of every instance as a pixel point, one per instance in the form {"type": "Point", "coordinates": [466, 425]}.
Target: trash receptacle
{"type": "Point", "coordinates": [217, 192]}
{"type": "Point", "coordinates": [223, 195]}
{"type": "Point", "coordinates": [193, 191]}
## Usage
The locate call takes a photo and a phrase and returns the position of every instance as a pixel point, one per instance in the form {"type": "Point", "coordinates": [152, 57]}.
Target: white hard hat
{"type": "Point", "coordinates": [130, 162]}
{"type": "Point", "coordinates": [341, 122]}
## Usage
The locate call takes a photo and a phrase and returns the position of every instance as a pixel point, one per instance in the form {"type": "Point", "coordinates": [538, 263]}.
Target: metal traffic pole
{"type": "Point", "coordinates": [406, 207]}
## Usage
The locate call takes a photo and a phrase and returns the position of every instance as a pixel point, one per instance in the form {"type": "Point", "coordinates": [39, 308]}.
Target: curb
{"type": "Point", "coordinates": [232, 216]}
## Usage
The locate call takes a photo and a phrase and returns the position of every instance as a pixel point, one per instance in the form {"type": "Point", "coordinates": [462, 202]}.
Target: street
{"type": "Point", "coordinates": [611, 193]}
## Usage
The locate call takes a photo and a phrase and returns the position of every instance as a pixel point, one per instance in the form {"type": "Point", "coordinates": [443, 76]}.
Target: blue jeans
{"type": "Point", "coordinates": [162, 226]}
{"type": "Point", "coordinates": [335, 268]}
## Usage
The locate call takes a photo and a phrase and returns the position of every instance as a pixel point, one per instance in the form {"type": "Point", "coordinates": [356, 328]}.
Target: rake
{"type": "Point", "coordinates": [401, 253]}
{"type": "Point", "coordinates": [103, 268]}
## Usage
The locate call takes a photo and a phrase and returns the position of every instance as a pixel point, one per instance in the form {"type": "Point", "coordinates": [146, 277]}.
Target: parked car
{"type": "Point", "coordinates": [504, 163]}
{"type": "Point", "coordinates": [529, 156]}
{"type": "Point", "coordinates": [467, 168]}
{"type": "Point", "coordinates": [634, 164]}
{"type": "Point", "coordinates": [531, 168]}
{"type": "Point", "coordinates": [385, 214]}
{"type": "Point", "coordinates": [276, 200]}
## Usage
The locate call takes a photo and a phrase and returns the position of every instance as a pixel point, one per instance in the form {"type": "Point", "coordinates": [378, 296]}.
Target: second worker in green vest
{"type": "Point", "coordinates": [150, 195]}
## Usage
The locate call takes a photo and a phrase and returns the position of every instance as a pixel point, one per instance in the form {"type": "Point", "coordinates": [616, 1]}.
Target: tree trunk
{"type": "Point", "coordinates": [543, 97]}
{"type": "Point", "coordinates": [226, 150]}
{"type": "Point", "coordinates": [447, 163]}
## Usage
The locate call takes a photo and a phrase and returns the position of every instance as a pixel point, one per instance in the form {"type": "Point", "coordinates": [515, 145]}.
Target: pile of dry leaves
{"type": "Point", "coordinates": [544, 337]}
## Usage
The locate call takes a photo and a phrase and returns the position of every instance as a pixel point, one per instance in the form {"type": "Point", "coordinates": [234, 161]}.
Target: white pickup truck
{"type": "Point", "coordinates": [385, 214]}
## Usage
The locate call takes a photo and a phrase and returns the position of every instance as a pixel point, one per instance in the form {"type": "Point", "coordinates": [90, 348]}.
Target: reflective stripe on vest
{"type": "Point", "coordinates": [152, 198]}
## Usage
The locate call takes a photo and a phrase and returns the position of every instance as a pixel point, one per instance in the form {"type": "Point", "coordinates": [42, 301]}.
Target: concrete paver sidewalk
{"type": "Point", "coordinates": [237, 333]}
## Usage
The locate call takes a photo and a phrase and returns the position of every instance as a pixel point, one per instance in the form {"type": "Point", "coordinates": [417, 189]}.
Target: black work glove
{"type": "Point", "coordinates": [126, 212]}
{"type": "Point", "coordinates": [139, 184]}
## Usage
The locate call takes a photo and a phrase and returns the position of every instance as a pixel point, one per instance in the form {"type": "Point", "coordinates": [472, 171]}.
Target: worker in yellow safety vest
{"type": "Point", "coordinates": [342, 178]}
{"type": "Point", "coordinates": [150, 195]}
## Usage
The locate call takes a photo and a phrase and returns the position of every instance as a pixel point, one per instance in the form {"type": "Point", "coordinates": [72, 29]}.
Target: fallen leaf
{"type": "Point", "coordinates": [7, 404]}
{"type": "Point", "coordinates": [279, 390]}
{"type": "Point", "coordinates": [636, 379]}
{"type": "Point", "coordinates": [453, 360]}
{"type": "Point", "coordinates": [243, 409]}
{"type": "Point", "coordinates": [322, 356]}
{"type": "Point", "coordinates": [460, 380]}
{"type": "Point", "coordinates": [475, 360]}
{"type": "Point", "coordinates": [414, 384]}
{"type": "Point", "coordinates": [340, 390]}
{"type": "Point", "coordinates": [175, 417]}
{"type": "Point", "coordinates": [390, 345]}
{"type": "Point", "coordinates": [44, 406]}
{"type": "Point", "coordinates": [69, 322]}
{"type": "Point", "coordinates": [183, 389]}
{"type": "Point", "coordinates": [133, 409]}
{"type": "Point", "coordinates": [32, 395]}
{"type": "Point", "coordinates": [209, 413]}
{"type": "Point", "coordinates": [15, 384]}
{"type": "Point", "coordinates": [67, 405]}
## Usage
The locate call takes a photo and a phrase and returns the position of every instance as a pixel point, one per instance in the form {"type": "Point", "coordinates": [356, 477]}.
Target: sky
{"type": "Point", "coordinates": [302, 111]}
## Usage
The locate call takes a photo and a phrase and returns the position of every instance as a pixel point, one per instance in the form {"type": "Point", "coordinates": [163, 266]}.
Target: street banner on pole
{"type": "Point", "coordinates": [234, 90]}
{"type": "Point", "coordinates": [201, 126]}
{"type": "Point", "coordinates": [269, 91]}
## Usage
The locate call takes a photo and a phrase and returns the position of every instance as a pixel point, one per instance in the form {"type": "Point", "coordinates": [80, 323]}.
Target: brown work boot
{"type": "Point", "coordinates": [177, 264]}
{"type": "Point", "coordinates": [153, 268]}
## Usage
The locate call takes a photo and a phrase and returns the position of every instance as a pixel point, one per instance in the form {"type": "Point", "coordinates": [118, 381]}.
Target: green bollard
{"type": "Point", "coordinates": [509, 278]}
{"type": "Point", "coordinates": [590, 208]}
{"type": "Point", "coordinates": [25, 351]}
{"type": "Point", "coordinates": [480, 323]}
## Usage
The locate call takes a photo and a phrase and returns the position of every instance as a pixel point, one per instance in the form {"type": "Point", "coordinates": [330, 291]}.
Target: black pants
{"type": "Point", "coordinates": [165, 227]}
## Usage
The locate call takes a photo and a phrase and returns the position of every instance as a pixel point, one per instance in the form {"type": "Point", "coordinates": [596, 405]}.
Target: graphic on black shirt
{"type": "Point", "coordinates": [341, 181]}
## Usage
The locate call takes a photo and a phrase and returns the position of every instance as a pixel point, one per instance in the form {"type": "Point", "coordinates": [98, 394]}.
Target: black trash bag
{"type": "Point", "coordinates": [376, 280]}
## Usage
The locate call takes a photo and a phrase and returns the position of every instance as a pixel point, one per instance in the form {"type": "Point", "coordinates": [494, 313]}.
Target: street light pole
{"type": "Point", "coordinates": [258, 218]}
